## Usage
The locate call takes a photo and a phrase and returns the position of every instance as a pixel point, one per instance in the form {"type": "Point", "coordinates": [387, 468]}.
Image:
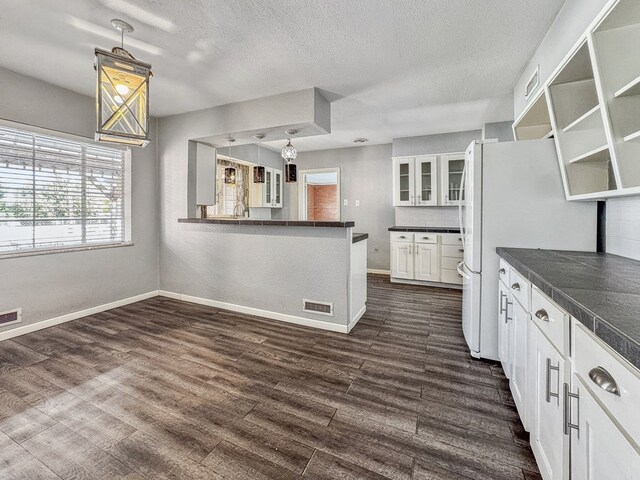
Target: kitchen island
{"type": "Point", "coordinates": [309, 273]}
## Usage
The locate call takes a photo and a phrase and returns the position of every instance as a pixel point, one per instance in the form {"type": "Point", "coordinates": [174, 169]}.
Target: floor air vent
{"type": "Point", "coordinates": [321, 308]}
{"type": "Point", "coordinates": [9, 317]}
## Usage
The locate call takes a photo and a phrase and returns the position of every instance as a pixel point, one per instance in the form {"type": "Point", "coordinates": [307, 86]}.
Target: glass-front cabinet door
{"type": "Point", "coordinates": [426, 180]}
{"type": "Point", "coordinates": [268, 187]}
{"type": "Point", "coordinates": [277, 188]}
{"type": "Point", "coordinates": [451, 174]}
{"type": "Point", "coordinates": [404, 183]}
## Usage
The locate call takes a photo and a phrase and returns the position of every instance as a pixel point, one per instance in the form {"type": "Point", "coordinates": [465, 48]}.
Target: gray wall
{"type": "Point", "coordinates": [365, 175]}
{"type": "Point", "coordinates": [268, 268]}
{"type": "Point", "coordinates": [47, 286]}
{"type": "Point", "coordinates": [440, 143]}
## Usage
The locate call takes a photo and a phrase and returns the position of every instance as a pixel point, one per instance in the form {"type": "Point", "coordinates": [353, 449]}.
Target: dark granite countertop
{"type": "Point", "coordinates": [600, 290]}
{"type": "Point", "coordinates": [358, 237]}
{"type": "Point", "coordinates": [274, 223]}
{"type": "Point", "coordinates": [424, 229]}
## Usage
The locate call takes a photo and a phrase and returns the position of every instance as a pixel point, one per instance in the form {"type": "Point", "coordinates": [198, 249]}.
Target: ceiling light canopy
{"type": "Point", "coordinates": [122, 94]}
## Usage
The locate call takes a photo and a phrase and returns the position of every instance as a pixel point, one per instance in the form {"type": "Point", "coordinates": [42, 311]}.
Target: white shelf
{"type": "Point", "coordinates": [595, 155]}
{"type": "Point", "coordinates": [631, 88]}
{"type": "Point", "coordinates": [588, 121]}
{"type": "Point", "coordinates": [633, 137]}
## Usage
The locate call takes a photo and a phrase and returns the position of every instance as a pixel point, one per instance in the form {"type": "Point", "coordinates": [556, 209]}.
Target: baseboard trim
{"type": "Point", "coordinates": [379, 272]}
{"type": "Point", "coordinates": [283, 317]}
{"type": "Point", "coordinates": [33, 327]}
{"type": "Point", "coordinates": [357, 318]}
{"type": "Point", "coordinates": [452, 286]}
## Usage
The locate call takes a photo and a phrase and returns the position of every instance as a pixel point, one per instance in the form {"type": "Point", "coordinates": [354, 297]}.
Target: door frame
{"type": "Point", "coordinates": [302, 191]}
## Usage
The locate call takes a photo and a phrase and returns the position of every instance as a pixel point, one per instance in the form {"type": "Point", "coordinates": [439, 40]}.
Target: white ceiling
{"type": "Point", "coordinates": [392, 68]}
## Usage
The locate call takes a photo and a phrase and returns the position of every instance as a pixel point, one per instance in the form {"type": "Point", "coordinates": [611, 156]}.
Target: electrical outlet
{"type": "Point", "coordinates": [346, 202]}
{"type": "Point", "coordinates": [357, 203]}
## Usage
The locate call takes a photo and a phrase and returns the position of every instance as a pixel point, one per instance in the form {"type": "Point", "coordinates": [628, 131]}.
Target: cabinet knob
{"type": "Point", "coordinates": [604, 380]}
{"type": "Point", "coordinates": [542, 315]}
{"type": "Point", "coordinates": [502, 271]}
{"type": "Point", "coordinates": [516, 287]}
{"type": "Point", "coordinates": [461, 250]}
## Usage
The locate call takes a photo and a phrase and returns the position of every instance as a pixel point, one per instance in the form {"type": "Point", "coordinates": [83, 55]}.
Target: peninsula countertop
{"type": "Point", "coordinates": [600, 290]}
{"type": "Point", "coordinates": [273, 223]}
{"type": "Point", "coordinates": [397, 228]}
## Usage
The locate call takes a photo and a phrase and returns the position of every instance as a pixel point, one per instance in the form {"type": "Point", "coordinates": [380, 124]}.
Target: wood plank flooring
{"type": "Point", "coordinates": [167, 389]}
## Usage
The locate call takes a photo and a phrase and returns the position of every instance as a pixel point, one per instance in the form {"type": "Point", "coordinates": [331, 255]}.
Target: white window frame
{"type": "Point", "coordinates": [126, 240]}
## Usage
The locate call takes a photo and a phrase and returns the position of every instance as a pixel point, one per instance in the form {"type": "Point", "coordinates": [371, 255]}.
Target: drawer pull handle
{"type": "Point", "coordinates": [516, 287]}
{"type": "Point", "coordinates": [542, 315]}
{"type": "Point", "coordinates": [459, 239]}
{"type": "Point", "coordinates": [502, 309]}
{"type": "Point", "coordinates": [549, 393]}
{"type": "Point", "coordinates": [566, 411]}
{"type": "Point", "coordinates": [502, 271]}
{"type": "Point", "coordinates": [426, 238]}
{"type": "Point", "coordinates": [461, 250]}
{"type": "Point", "coordinates": [402, 236]}
{"type": "Point", "coordinates": [506, 311]}
{"type": "Point", "coordinates": [604, 380]}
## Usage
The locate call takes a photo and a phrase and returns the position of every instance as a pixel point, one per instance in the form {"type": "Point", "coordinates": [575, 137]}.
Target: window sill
{"type": "Point", "coordinates": [52, 251]}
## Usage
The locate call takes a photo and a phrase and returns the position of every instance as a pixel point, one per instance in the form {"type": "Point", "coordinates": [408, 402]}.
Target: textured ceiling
{"type": "Point", "coordinates": [392, 68]}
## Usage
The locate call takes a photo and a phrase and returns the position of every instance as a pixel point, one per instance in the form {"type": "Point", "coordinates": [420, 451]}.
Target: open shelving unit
{"type": "Point", "coordinates": [534, 123]}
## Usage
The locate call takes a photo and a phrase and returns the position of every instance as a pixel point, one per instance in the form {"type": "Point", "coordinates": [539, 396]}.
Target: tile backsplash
{"type": "Point", "coordinates": [427, 216]}
{"type": "Point", "coordinates": [623, 227]}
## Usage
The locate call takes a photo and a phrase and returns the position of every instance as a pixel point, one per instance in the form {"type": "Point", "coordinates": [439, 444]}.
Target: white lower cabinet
{"type": "Point", "coordinates": [549, 443]}
{"type": "Point", "coordinates": [599, 450]}
{"type": "Point", "coordinates": [582, 428]}
{"type": "Point", "coordinates": [519, 325]}
{"type": "Point", "coordinates": [402, 260]}
{"type": "Point", "coordinates": [426, 262]}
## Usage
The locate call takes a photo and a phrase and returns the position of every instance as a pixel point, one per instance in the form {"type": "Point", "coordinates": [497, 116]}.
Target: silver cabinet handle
{"type": "Point", "coordinates": [459, 239]}
{"type": "Point", "coordinates": [419, 199]}
{"type": "Point", "coordinates": [502, 309]}
{"type": "Point", "coordinates": [417, 250]}
{"type": "Point", "coordinates": [604, 380]}
{"type": "Point", "coordinates": [566, 412]}
{"type": "Point", "coordinates": [549, 393]}
{"type": "Point", "coordinates": [410, 249]}
{"type": "Point", "coordinates": [506, 312]}
{"type": "Point", "coordinates": [516, 287]}
{"type": "Point", "coordinates": [502, 271]}
{"type": "Point", "coordinates": [426, 238]}
{"type": "Point", "coordinates": [461, 250]}
{"type": "Point", "coordinates": [542, 315]}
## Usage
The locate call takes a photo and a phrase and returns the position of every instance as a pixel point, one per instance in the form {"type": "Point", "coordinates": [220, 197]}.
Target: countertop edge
{"type": "Point", "coordinates": [359, 237]}
{"type": "Point", "coordinates": [397, 228]}
{"type": "Point", "coordinates": [268, 223]}
{"type": "Point", "coordinates": [623, 344]}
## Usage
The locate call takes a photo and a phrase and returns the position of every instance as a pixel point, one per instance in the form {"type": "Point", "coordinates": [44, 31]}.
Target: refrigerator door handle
{"type": "Point", "coordinates": [460, 203]}
{"type": "Point", "coordinates": [460, 268]}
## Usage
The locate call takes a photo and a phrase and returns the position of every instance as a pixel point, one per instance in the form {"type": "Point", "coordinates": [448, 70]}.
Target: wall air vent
{"type": "Point", "coordinates": [10, 316]}
{"type": "Point", "coordinates": [321, 308]}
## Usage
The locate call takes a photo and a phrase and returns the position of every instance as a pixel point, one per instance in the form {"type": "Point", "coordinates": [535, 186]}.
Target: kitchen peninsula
{"type": "Point", "coordinates": [309, 273]}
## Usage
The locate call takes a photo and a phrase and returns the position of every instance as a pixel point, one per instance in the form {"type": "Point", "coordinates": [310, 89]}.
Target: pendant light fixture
{"type": "Point", "coordinates": [289, 153]}
{"type": "Point", "coordinates": [122, 94]}
{"type": "Point", "coordinates": [230, 172]}
{"type": "Point", "coordinates": [258, 170]}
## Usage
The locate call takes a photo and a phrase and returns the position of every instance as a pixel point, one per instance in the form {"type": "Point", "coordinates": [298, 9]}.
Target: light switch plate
{"type": "Point", "coordinates": [346, 202]}
{"type": "Point", "coordinates": [357, 203]}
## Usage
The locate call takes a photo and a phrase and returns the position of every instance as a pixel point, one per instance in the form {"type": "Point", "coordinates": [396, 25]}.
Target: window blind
{"type": "Point", "coordinates": [57, 193]}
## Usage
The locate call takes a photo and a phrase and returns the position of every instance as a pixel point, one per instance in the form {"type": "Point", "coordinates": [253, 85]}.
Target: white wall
{"type": "Point", "coordinates": [365, 175]}
{"type": "Point", "coordinates": [623, 227]}
{"type": "Point", "coordinates": [441, 143]}
{"type": "Point", "coordinates": [47, 286]}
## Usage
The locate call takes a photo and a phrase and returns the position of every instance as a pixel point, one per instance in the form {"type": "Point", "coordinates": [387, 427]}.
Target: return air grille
{"type": "Point", "coordinates": [321, 308]}
{"type": "Point", "coordinates": [9, 317]}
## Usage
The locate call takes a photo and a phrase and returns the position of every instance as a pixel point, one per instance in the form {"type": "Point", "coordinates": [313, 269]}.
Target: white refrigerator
{"type": "Point", "coordinates": [512, 196]}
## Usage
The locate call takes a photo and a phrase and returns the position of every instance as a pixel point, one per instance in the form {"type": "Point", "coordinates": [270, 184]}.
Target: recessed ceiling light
{"type": "Point", "coordinates": [360, 140]}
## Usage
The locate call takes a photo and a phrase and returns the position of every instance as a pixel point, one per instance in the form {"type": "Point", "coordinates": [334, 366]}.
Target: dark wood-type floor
{"type": "Point", "coordinates": [167, 389]}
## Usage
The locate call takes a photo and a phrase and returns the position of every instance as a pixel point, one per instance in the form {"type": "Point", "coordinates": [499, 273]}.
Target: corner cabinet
{"type": "Point", "coordinates": [269, 193]}
{"type": "Point", "coordinates": [590, 105]}
{"type": "Point", "coordinates": [427, 180]}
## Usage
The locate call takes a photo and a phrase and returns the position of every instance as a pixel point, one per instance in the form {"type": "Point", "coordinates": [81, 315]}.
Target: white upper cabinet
{"type": "Point", "coordinates": [427, 180]}
{"type": "Point", "coordinates": [269, 193]}
{"type": "Point", "coordinates": [452, 167]}
{"type": "Point", "coordinates": [277, 188]}
{"type": "Point", "coordinates": [592, 104]}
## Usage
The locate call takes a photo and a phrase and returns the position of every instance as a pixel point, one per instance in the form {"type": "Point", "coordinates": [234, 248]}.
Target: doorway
{"type": "Point", "coordinates": [319, 194]}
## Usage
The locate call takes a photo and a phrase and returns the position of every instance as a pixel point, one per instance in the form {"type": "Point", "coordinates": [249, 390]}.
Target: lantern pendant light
{"type": "Point", "coordinates": [259, 170]}
{"type": "Point", "coordinates": [122, 94]}
{"type": "Point", "coordinates": [289, 153]}
{"type": "Point", "coordinates": [230, 172]}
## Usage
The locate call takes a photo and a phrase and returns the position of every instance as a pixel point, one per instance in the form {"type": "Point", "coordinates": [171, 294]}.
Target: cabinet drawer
{"type": "Point", "coordinates": [451, 239]}
{"type": "Point", "coordinates": [551, 320]}
{"type": "Point", "coordinates": [425, 237]}
{"type": "Point", "coordinates": [519, 287]}
{"type": "Point", "coordinates": [504, 271]}
{"type": "Point", "coordinates": [406, 237]}
{"type": "Point", "coordinates": [450, 263]}
{"type": "Point", "coordinates": [590, 354]}
{"type": "Point", "coordinates": [452, 251]}
{"type": "Point", "coordinates": [450, 276]}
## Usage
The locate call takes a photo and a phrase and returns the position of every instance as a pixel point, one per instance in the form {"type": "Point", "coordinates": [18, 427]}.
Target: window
{"type": "Point", "coordinates": [58, 193]}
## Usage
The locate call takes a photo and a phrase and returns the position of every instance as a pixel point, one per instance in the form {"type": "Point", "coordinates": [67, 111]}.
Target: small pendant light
{"type": "Point", "coordinates": [230, 172]}
{"type": "Point", "coordinates": [258, 170]}
{"type": "Point", "coordinates": [290, 173]}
